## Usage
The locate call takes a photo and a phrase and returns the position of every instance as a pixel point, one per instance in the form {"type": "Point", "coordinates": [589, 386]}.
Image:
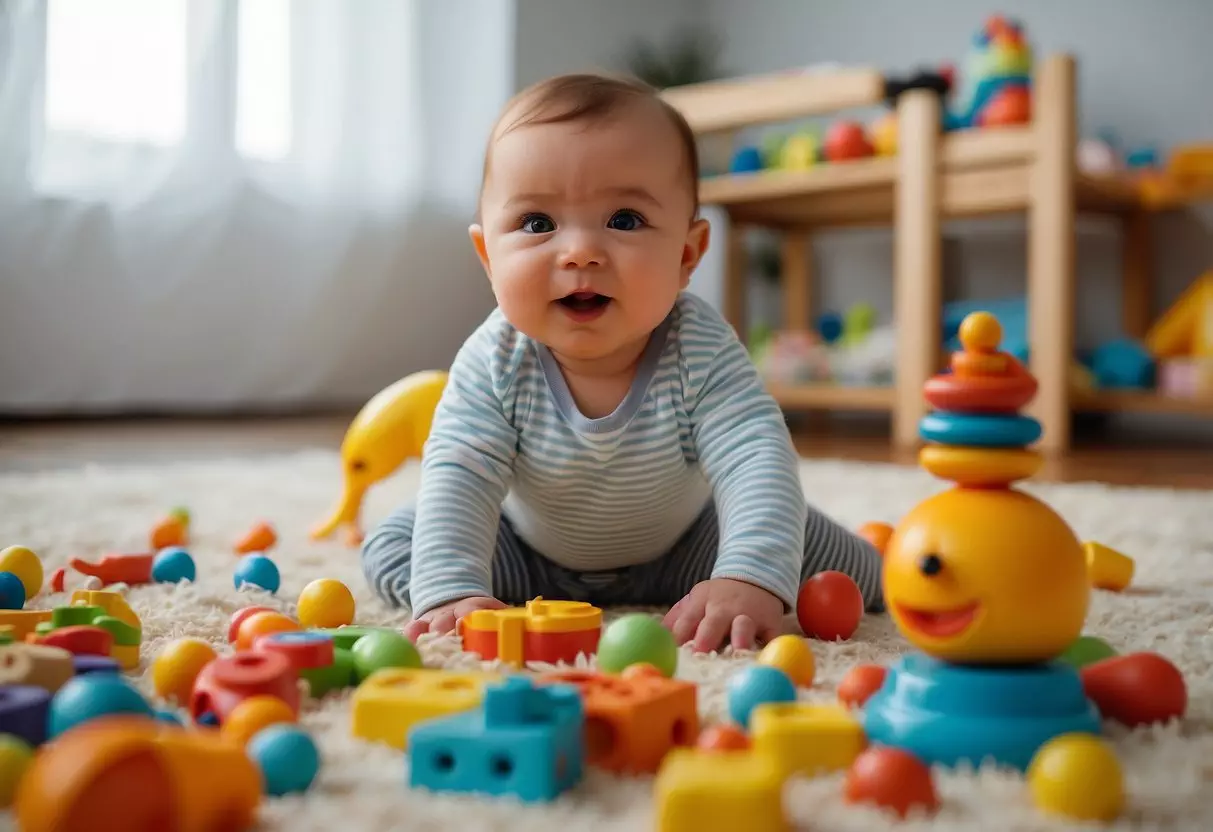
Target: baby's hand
{"type": "Point", "coordinates": [442, 619]}
{"type": "Point", "coordinates": [721, 609]}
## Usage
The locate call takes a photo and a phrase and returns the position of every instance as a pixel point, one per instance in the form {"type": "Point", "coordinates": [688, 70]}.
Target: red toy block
{"type": "Point", "coordinates": [542, 631]}
{"type": "Point", "coordinates": [228, 680]}
{"type": "Point", "coordinates": [80, 640]}
{"type": "Point", "coordinates": [302, 649]}
{"type": "Point", "coordinates": [632, 723]}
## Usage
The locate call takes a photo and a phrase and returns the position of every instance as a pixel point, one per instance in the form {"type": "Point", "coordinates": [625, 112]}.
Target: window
{"type": "Point", "coordinates": [132, 74]}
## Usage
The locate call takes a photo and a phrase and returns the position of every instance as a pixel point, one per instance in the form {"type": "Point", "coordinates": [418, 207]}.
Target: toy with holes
{"type": "Point", "coordinates": [992, 587]}
{"type": "Point", "coordinates": [541, 631]}
{"type": "Point", "coordinates": [633, 719]}
{"type": "Point", "coordinates": [392, 700]}
{"type": "Point", "coordinates": [524, 740]}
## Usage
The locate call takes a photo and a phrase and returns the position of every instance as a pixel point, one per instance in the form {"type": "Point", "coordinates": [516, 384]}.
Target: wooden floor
{"type": "Point", "coordinates": [29, 446]}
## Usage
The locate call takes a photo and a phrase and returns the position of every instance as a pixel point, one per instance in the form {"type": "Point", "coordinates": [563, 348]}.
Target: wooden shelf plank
{"type": "Point", "coordinates": [832, 397]}
{"type": "Point", "coordinates": [1142, 401]}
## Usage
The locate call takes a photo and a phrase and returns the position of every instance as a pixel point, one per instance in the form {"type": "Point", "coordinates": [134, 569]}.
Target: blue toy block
{"type": "Point", "coordinates": [1123, 363]}
{"type": "Point", "coordinates": [950, 714]}
{"type": "Point", "coordinates": [523, 740]}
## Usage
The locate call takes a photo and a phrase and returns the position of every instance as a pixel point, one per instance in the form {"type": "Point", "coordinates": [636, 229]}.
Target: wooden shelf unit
{"type": "Point", "coordinates": [1028, 169]}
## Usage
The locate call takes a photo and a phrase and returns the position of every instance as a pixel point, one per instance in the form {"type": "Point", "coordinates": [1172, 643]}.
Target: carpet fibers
{"type": "Point", "coordinates": [1168, 769]}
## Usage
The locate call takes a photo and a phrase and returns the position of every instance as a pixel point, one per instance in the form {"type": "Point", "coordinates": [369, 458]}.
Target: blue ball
{"type": "Point", "coordinates": [829, 327]}
{"type": "Point", "coordinates": [173, 565]}
{"type": "Point", "coordinates": [12, 592]}
{"type": "Point", "coordinates": [747, 159]}
{"type": "Point", "coordinates": [259, 571]}
{"type": "Point", "coordinates": [755, 685]}
{"type": "Point", "coordinates": [91, 696]}
{"type": "Point", "coordinates": [287, 757]}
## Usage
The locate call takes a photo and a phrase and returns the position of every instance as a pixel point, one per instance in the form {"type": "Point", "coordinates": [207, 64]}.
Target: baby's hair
{"type": "Point", "coordinates": [589, 97]}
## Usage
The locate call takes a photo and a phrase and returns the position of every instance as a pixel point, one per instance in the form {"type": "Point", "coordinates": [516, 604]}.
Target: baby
{"type": "Point", "coordinates": [603, 435]}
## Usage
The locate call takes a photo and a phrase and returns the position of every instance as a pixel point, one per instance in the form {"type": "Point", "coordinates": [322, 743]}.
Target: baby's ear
{"type": "Point", "coordinates": [693, 250]}
{"type": "Point", "coordinates": [476, 232]}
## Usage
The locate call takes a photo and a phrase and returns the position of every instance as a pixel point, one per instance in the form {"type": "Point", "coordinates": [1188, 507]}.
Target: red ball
{"type": "Point", "coordinates": [892, 779]}
{"type": "Point", "coordinates": [860, 683]}
{"type": "Point", "coordinates": [829, 606]}
{"type": "Point", "coordinates": [723, 738]}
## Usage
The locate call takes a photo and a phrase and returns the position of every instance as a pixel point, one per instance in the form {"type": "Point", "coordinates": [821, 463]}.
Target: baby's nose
{"type": "Point", "coordinates": [582, 251]}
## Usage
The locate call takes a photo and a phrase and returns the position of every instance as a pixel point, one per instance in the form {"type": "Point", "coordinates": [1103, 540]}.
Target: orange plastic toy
{"type": "Point", "coordinates": [542, 631]}
{"type": "Point", "coordinates": [133, 569]}
{"type": "Point", "coordinates": [125, 773]}
{"type": "Point", "coordinates": [259, 538]}
{"type": "Point", "coordinates": [632, 723]}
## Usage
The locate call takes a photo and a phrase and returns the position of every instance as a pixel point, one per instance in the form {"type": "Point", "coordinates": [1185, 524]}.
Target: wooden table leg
{"type": "Point", "coordinates": [917, 277]}
{"type": "Point", "coordinates": [1051, 258]}
{"type": "Point", "coordinates": [796, 275]}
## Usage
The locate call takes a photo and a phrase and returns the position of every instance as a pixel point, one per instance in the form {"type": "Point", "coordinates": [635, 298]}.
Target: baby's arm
{"type": "Point", "coordinates": [466, 470]}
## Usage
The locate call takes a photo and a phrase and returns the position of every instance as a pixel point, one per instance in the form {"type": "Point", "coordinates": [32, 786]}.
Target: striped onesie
{"type": "Point", "coordinates": [693, 476]}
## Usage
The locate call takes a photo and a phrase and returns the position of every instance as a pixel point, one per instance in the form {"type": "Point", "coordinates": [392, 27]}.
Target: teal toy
{"type": "Point", "coordinates": [525, 741]}
{"type": "Point", "coordinates": [12, 592]}
{"type": "Point", "coordinates": [173, 565]}
{"type": "Point", "coordinates": [637, 638]}
{"type": "Point", "coordinates": [287, 757]}
{"type": "Point", "coordinates": [979, 429]}
{"type": "Point", "coordinates": [93, 695]}
{"type": "Point", "coordinates": [757, 685]}
{"type": "Point", "coordinates": [952, 714]}
{"type": "Point", "coordinates": [259, 571]}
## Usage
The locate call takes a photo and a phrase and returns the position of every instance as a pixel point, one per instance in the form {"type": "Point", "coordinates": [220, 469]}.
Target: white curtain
{"type": "Point", "coordinates": [238, 204]}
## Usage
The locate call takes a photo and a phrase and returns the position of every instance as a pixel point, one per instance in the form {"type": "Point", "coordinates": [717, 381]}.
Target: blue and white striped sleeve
{"type": "Point", "coordinates": [466, 470]}
{"type": "Point", "coordinates": [747, 455]}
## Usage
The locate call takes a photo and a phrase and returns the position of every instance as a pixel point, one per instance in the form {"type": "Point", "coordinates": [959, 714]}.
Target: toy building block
{"type": "Point", "coordinates": [524, 741]}
{"type": "Point", "coordinates": [542, 631]}
{"type": "Point", "coordinates": [1186, 329]}
{"type": "Point", "coordinates": [806, 738]}
{"type": "Point", "coordinates": [1108, 568]}
{"type": "Point", "coordinates": [23, 622]}
{"type": "Point", "coordinates": [698, 790]}
{"type": "Point", "coordinates": [227, 681]}
{"type": "Point", "coordinates": [632, 722]}
{"type": "Point", "coordinates": [131, 772]}
{"type": "Point", "coordinates": [96, 623]}
{"type": "Point", "coordinates": [391, 701]}
{"type": "Point", "coordinates": [34, 664]}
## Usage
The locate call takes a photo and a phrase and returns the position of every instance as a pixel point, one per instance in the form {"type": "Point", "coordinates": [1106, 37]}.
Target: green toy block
{"type": "Point", "coordinates": [338, 675]}
{"type": "Point", "coordinates": [124, 634]}
{"type": "Point", "coordinates": [75, 616]}
{"type": "Point", "coordinates": [344, 638]}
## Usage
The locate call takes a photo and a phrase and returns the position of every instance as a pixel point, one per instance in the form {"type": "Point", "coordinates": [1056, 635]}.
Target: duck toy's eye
{"type": "Point", "coordinates": [930, 565]}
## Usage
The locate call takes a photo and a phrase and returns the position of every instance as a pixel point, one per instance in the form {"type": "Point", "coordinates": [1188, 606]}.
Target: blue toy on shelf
{"type": "Point", "coordinates": [524, 740]}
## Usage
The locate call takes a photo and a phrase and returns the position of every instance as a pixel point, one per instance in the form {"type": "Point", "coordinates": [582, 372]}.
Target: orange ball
{"type": "Point", "coordinates": [253, 714]}
{"type": "Point", "coordinates": [980, 332]}
{"type": "Point", "coordinates": [238, 617]}
{"type": "Point", "coordinates": [860, 683]}
{"type": "Point", "coordinates": [892, 779]}
{"type": "Point", "coordinates": [177, 666]}
{"type": "Point", "coordinates": [829, 606]}
{"type": "Point", "coordinates": [877, 534]}
{"type": "Point", "coordinates": [260, 624]}
{"type": "Point", "coordinates": [723, 737]}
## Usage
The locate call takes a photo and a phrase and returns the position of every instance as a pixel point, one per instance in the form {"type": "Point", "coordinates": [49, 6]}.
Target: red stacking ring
{"type": "Point", "coordinates": [302, 649]}
{"type": "Point", "coordinates": [982, 394]}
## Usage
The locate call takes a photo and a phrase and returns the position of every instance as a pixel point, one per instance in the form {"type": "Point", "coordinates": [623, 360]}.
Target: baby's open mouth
{"type": "Point", "coordinates": [584, 301]}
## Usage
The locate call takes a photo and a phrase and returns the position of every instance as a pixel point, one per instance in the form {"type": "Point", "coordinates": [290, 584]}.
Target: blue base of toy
{"type": "Point", "coordinates": [979, 430]}
{"type": "Point", "coordinates": [952, 714]}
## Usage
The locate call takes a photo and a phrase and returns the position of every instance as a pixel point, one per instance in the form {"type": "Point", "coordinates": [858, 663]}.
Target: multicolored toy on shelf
{"type": "Point", "coordinates": [1181, 341]}
{"type": "Point", "coordinates": [847, 349]}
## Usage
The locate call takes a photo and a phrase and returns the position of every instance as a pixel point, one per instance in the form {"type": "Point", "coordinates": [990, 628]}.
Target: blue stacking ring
{"type": "Point", "coordinates": [979, 429]}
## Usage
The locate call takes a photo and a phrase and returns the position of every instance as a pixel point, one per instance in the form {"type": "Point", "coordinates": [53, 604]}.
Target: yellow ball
{"type": "Point", "coordinates": [980, 332]}
{"type": "Point", "coordinates": [23, 563]}
{"type": "Point", "coordinates": [1078, 776]}
{"type": "Point", "coordinates": [325, 603]}
{"type": "Point", "coordinates": [792, 655]}
{"type": "Point", "coordinates": [15, 757]}
{"type": "Point", "coordinates": [177, 666]}
{"type": "Point", "coordinates": [254, 714]}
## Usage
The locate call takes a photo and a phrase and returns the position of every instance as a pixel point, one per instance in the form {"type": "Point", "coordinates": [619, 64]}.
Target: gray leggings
{"type": "Point", "coordinates": [520, 573]}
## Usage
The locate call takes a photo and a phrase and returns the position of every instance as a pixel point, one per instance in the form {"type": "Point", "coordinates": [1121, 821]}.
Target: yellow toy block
{"type": "Point", "coordinates": [1108, 568]}
{"type": "Point", "coordinates": [112, 602]}
{"type": "Point", "coordinates": [699, 790]}
{"type": "Point", "coordinates": [391, 701]}
{"type": "Point", "coordinates": [1186, 329]}
{"type": "Point", "coordinates": [807, 738]}
{"type": "Point", "coordinates": [23, 622]}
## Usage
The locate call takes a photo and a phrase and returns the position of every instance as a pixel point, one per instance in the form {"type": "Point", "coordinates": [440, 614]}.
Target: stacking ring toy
{"type": "Point", "coordinates": [980, 467]}
{"type": "Point", "coordinates": [979, 430]}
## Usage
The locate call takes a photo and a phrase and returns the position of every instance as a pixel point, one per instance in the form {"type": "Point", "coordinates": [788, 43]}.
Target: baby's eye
{"type": "Point", "coordinates": [538, 224]}
{"type": "Point", "coordinates": [625, 220]}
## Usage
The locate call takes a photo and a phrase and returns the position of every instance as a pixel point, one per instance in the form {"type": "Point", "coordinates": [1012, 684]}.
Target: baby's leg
{"type": "Point", "coordinates": [518, 572]}
{"type": "Point", "coordinates": [827, 545]}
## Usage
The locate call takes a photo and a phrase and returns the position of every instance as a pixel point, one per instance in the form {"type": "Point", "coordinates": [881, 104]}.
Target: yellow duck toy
{"type": "Point", "coordinates": [391, 428]}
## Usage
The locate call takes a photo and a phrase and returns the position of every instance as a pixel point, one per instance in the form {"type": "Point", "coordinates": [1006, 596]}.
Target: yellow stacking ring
{"type": "Point", "coordinates": [980, 467]}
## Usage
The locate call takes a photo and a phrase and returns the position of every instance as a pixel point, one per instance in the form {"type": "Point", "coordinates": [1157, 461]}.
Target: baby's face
{"type": "Point", "coordinates": [587, 232]}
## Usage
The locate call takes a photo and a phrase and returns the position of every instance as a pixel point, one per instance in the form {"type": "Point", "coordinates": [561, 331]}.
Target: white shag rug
{"type": "Point", "coordinates": [1168, 770]}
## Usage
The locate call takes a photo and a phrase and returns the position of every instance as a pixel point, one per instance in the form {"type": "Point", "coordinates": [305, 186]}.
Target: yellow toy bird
{"type": "Point", "coordinates": [389, 429]}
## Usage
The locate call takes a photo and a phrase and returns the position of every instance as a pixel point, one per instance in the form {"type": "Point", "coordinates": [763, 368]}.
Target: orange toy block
{"type": "Point", "coordinates": [391, 701]}
{"type": "Point", "coordinates": [632, 723]}
{"type": "Point", "coordinates": [542, 631]}
{"type": "Point", "coordinates": [698, 790]}
{"type": "Point", "coordinates": [121, 773]}
{"type": "Point", "coordinates": [23, 622]}
{"type": "Point", "coordinates": [806, 738]}
{"type": "Point", "coordinates": [1108, 568]}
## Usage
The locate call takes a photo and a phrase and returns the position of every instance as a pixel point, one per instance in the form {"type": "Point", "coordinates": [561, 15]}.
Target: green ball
{"type": "Point", "coordinates": [385, 648]}
{"type": "Point", "coordinates": [15, 757]}
{"type": "Point", "coordinates": [335, 676]}
{"type": "Point", "coordinates": [637, 639]}
{"type": "Point", "coordinates": [1087, 650]}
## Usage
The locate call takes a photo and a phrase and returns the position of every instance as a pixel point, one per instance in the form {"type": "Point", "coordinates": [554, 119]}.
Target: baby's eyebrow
{"type": "Point", "coordinates": [634, 192]}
